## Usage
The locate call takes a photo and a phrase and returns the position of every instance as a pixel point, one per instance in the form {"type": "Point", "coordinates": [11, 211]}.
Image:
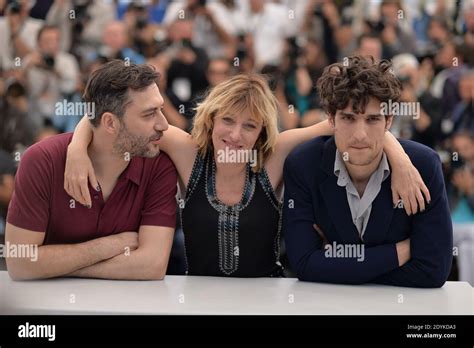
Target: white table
{"type": "Point", "coordinates": [212, 295]}
{"type": "Point", "coordinates": [463, 239]}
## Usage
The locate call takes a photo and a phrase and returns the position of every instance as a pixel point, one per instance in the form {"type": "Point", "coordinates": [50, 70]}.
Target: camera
{"type": "Point", "coordinates": [48, 61]}
{"type": "Point", "coordinates": [405, 79]}
{"type": "Point", "coordinates": [459, 164]}
{"type": "Point", "coordinates": [140, 11]}
{"type": "Point", "coordinates": [14, 6]}
{"type": "Point", "coordinates": [80, 8]}
{"type": "Point", "coordinates": [141, 22]}
{"type": "Point", "coordinates": [376, 27]}
{"type": "Point", "coordinates": [318, 11]}
{"type": "Point", "coordinates": [186, 43]}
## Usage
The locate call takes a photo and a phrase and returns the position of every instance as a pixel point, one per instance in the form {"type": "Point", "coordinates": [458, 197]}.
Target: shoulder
{"type": "Point", "coordinates": [425, 159]}
{"type": "Point", "coordinates": [159, 166]}
{"type": "Point", "coordinates": [306, 161]}
{"type": "Point", "coordinates": [422, 157]}
{"type": "Point", "coordinates": [52, 149]}
{"type": "Point", "coordinates": [309, 152]}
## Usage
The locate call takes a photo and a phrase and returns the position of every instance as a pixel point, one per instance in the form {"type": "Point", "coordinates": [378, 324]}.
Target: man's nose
{"type": "Point", "coordinates": [162, 123]}
{"type": "Point", "coordinates": [359, 133]}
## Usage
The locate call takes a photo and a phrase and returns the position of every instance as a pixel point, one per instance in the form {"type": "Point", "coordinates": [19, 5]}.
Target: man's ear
{"type": "Point", "coordinates": [388, 122]}
{"type": "Point", "coordinates": [332, 120]}
{"type": "Point", "coordinates": [110, 122]}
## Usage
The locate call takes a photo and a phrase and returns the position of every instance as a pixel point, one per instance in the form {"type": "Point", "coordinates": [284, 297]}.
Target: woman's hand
{"type": "Point", "coordinates": [78, 172]}
{"type": "Point", "coordinates": [408, 186]}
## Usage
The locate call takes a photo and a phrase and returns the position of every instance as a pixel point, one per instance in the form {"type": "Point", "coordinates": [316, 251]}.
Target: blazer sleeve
{"type": "Point", "coordinates": [304, 247]}
{"type": "Point", "coordinates": [431, 240]}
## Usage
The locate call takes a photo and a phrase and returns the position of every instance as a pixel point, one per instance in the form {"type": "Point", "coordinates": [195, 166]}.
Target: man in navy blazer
{"type": "Point", "coordinates": [339, 221]}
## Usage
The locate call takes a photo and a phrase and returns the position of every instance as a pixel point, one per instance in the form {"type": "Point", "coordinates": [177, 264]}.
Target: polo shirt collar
{"type": "Point", "coordinates": [134, 170]}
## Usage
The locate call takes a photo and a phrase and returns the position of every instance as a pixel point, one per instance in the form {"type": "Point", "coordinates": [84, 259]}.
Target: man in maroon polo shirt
{"type": "Point", "coordinates": [127, 233]}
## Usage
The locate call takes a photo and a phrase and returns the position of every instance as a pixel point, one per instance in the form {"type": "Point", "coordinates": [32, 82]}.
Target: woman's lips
{"type": "Point", "coordinates": [232, 145]}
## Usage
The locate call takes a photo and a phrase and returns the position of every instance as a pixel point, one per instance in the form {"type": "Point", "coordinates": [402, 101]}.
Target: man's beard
{"type": "Point", "coordinates": [134, 145]}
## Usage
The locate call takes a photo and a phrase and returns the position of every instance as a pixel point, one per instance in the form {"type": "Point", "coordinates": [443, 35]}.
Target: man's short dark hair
{"type": "Point", "coordinates": [108, 86]}
{"type": "Point", "coordinates": [357, 81]}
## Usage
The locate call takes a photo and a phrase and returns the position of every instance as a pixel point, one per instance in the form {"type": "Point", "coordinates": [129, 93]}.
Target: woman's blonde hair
{"type": "Point", "coordinates": [241, 92]}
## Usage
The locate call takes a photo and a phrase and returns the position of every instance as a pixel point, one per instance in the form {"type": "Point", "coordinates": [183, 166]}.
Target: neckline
{"type": "Point", "coordinates": [211, 191]}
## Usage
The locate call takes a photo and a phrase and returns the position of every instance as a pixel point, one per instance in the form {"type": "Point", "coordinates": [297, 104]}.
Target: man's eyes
{"type": "Point", "coordinates": [153, 113]}
{"type": "Point", "coordinates": [373, 119]}
{"type": "Point", "coordinates": [369, 119]}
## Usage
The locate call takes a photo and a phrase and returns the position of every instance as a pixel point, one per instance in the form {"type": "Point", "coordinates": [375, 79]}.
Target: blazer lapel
{"type": "Point", "coordinates": [380, 216]}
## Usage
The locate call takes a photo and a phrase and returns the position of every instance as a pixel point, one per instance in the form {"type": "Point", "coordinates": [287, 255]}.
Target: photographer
{"type": "Point", "coordinates": [425, 126]}
{"type": "Point", "coordinates": [7, 178]}
{"type": "Point", "coordinates": [460, 118]}
{"type": "Point", "coordinates": [460, 189]}
{"type": "Point", "coordinates": [115, 44]}
{"type": "Point", "coordinates": [17, 33]}
{"type": "Point", "coordinates": [81, 23]}
{"type": "Point", "coordinates": [17, 131]}
{"type": "Point", "coordinates": [186, 76]}
{"type": "Point", "coordinates": [395, 38]}
{"type": "Point", "coordinates": [302, 66]}
{"type": "Point", "coordinates": [51, 75]}
{"type": "Point", "coordinates": [143, 33]}
{"type": "Point", "coordinates": [214, 24]}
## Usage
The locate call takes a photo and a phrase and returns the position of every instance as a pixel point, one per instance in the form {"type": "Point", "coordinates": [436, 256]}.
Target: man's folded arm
{"type": "Point", "coordinates": [155, 235]}
{"type": "Point", "coordinates": [431, 241]}
{"type": "Point", "coordinates": [46, 261]}
{"type": "Point", "coordinates": [148, 262]}
{"type": "Point", "coordinates": [305, 248]}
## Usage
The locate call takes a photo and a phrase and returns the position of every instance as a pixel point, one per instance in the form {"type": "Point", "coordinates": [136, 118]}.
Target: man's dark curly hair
{"type": "Point", "coordinates": [357, 81]}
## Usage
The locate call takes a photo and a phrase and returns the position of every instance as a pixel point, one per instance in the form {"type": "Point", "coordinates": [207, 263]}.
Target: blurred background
{"type": "Point", "coordinates": [48, 48]}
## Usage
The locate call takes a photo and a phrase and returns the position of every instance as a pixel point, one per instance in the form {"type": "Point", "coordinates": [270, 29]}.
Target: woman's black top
{"type": "Point", "coordinates": [242, 240]}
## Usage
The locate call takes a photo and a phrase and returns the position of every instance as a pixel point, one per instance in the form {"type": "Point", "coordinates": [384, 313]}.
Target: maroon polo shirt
{"type": "Point", "coordinates": [143, 195]}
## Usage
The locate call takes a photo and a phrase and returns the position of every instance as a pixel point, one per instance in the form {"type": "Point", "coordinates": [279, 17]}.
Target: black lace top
{"type": "Point", "coordinates": [242, 240]}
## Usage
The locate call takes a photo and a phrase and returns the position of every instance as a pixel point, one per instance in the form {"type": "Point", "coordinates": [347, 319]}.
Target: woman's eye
{"type": "Point", "coordinates": [250, 126]}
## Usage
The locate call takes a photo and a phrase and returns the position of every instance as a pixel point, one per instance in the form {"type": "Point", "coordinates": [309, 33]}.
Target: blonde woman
{"type": "Point", "coordinates": [230, 172]}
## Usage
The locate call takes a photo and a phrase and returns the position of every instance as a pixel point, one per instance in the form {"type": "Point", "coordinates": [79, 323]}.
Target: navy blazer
{"type": "Point", "coordinates": [312, 196]}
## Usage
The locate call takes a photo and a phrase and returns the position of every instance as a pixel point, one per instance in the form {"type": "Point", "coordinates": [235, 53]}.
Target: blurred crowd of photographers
{"type": "Point", "coordinates": [48, 48]}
